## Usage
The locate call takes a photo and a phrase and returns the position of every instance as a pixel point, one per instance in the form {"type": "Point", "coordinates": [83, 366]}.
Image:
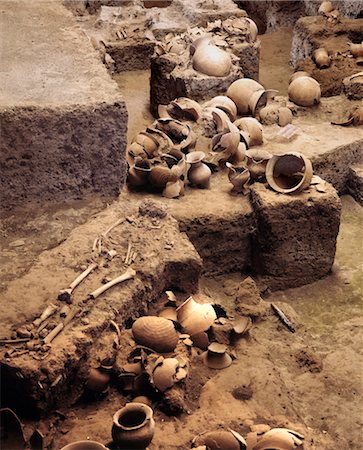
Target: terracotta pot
{"type": "Point", "coordinates": [225, 104]}
{"type": "Point", "coordinates": [199, 173]}
{"type": "Point", "coordinates": [216, 357]}
{"type": "Point", "coordinates": [186, 308]}
{"type": "Point", "coordinates": [304, 91]}
{"type": "Point", "coordinates": [137, 175]}
{"type": "Point", "coordinates": [321, 58]}
{"type": "Point", "coordinates": [289, 173]}
{"type": "Point", "coordinates": [298, 74]}
{"type": "Point", "coordinates": [84, 445]}
{"type": "Point", "coordinates": [239, 177]}
{"type": "Point", "coordinates": [356, 50]}
{"type": "Point", "coordinates": [98, 380]}
{"type": "Point", "coordinates": [133, 426]}
{"type": "Point", "coordinates": [257, 162]}
{"type": "Point", "coordinates": [157, 333]}
{"type": "Point", "coordinates": [12, 435]}
{"type": "Point", "coordinates": [253, 127]}
{"type": "Point", "coordinates": [211, 60]}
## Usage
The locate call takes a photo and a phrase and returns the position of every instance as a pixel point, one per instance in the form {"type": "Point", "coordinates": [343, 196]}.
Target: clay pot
{"type": "Point", "coordinates": [12, 435]}
{"type": "Point", "coordinates": [248, 95]}
{"type": "Point", "coordinates": [239, 157]}
{"type": "Point", "coordinates": [222, 440]}
{"type": "Point", "coordinates": [173, 189]}
{"type": "Point", "coordinates": [148, 142]}
{"type": "Point", "coordinates": [98, 380]}
{"type": "Point", "coordinates": [253, 28]}
{"type": "Point", "coordinates": [199, 320]}
{"type": "Point", "coordinates": [216, 357]}
{"type": "Point", "coordinates": [242, 325]}
{"type": "Point", "coordinates": [154, 332]}
{"type": "Point", "coordinates": [239, 177]}
{"type": "Point", "coordinates": [195, 317]}
{"type": "Point", "coordinates": [133, 426]}
{"type": "Point", "coordinates": [227, 141]}
{"type": "Point", "coordinates": [135, 150]}
{"type": "Point", "coordinates": [163, 375]}
{"type": "Point", "coordinates": [321, 58]}
{"type": "Point", "coordinates": [139, 172]}
{"type": "Point", "coordinates": [199, 173]}
{"type": "Point", "coordinates": [253, 127]}
{"type": "Point", "coordinates": [356, 50]}
{"type": "Point", "coordinates": [354, 118]}
{"type": "Point", "coordinates": [142, 399]}
{"type": "Point", "coordinates": [225, 104]}
{"type": "Point", "coordinates": [298, 74]}
{"type": "Point", "coordinates": [325, 8]}
{"type": "Point", "coordinates": [289, 173]}
{"type": "Point", "coordinates": [284, 116]}
{"type": "Point", "coordinates": [304, 91]}
{"type": "Point", "coordinates": [279, 438]}
{"type": "Point", "coordinates": [169, 313]}
{"type": "Point", "coordinates": [159, 176]}
{"type": "Point", "coordinates": [184, 108]}
{"type": "Point", "coordinates": [257, 162]}
{"type": "Point", "coordinates": [186, 308]}
{"type": "Point", "coordinates": [84, 445]}
{"type": "Point", "coordinates": [209, 59]}
{"type": "Point", "coordinates": [200, 340]}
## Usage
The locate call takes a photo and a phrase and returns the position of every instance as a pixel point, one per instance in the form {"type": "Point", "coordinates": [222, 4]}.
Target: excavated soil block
{"type": "Point", "coordinates": [311, 33]}
{"type": "Point", "coordinates": [355, 183]}
{"type": "Point", "coordinates": [296, 235]}
{"type": "Point", "coordinates": [353, 86]}
{"type": "Point", "coordinates": [169, 81]}
{"type": "Point", "coordinates": [37, 380]}
{"type": "Point", "coordinates": [63, 120]}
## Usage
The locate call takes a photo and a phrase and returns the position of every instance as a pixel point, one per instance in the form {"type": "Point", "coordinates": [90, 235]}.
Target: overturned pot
{"type": "Point", "coordinates": [133, 426]}
{"type": "Point", "coordinates": [289, 173]}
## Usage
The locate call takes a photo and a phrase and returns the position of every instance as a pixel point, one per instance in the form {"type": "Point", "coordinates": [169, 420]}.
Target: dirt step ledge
{"type": "Point", "coordinates": [166, 260]}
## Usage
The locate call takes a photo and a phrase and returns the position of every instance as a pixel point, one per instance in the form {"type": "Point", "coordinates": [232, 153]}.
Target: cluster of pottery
{"type": "Point", "coordinates": [304, 90]}
{"type": "Point", "coordinates": [237, 29]}
{"type": "Point", "coordinates": [355, 118]}
{"type": "Point", "coordinates": [205, 48]}
{"type": "Point", "coordinates": [157, 158]}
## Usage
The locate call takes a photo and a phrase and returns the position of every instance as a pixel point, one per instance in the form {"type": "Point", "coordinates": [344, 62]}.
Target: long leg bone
{"type": "Point", "coordinates": [130, 273]}
{"type": "Point", "coordinates": [65, 294]}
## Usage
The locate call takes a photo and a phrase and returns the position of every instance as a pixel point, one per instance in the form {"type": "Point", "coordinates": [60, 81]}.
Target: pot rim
{"type": "Point", "coordinates": [133, 406]}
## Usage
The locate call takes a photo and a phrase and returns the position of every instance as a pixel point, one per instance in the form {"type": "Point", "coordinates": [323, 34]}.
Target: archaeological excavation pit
{"type": "Point", "coordinates": [181, 224]}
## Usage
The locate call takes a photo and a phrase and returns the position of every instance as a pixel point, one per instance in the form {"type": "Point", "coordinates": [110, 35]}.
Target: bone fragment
{"type": "Point", "coordinates": [128, 253]}
{"type": "Point", "coordinates": [130, 273]}
{"type": "Point", "coordinates": [48, 339]}
{"type": "Point", "coordinates": [49, 310]}
{"type": "Point", "coordinates": [65, 294]}
{"type": "Point", "coordinates": [283, 318]}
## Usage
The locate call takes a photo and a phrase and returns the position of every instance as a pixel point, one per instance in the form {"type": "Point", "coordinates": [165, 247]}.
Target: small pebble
{"type": "Point", "coordinates": [85, 321]}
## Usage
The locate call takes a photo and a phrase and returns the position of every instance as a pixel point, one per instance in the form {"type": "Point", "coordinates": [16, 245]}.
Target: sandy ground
{"type": "Point", "coordinates": [310, 380]}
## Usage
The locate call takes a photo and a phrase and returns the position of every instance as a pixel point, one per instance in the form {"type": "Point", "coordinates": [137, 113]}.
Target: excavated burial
{"type": "Point", "coordinates": [187, 289]}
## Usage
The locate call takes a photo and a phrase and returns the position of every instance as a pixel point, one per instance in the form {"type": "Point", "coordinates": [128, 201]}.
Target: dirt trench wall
{"type": "Point", "coordinates": [60, 153]}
